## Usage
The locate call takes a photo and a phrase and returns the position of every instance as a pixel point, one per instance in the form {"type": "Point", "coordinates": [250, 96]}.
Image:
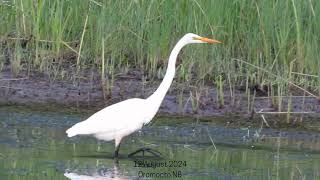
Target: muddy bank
{"type": "Point", "coordinates": [32, 88]}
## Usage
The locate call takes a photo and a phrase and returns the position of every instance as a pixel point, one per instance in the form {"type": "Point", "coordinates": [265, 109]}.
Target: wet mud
{"type": "Point", "coordinates": [86, 93]}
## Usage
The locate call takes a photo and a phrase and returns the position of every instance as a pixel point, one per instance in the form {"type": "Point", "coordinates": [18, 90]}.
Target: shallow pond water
{"type": "Point", "coordinates": [33, 145]}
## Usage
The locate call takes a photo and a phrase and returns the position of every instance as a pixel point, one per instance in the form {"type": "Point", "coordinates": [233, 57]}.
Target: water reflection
{"type": "Point", "coordinates": [104, 173]}
{"type": "Point", "coordinates": [34, 146]}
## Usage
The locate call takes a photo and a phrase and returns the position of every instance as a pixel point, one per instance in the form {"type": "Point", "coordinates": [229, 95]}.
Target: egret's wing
{"type": "Point", "coordinates": [111, 119]}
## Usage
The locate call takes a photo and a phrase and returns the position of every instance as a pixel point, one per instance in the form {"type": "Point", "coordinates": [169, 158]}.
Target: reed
{"type": "Point", "coordinates": [269, 37]}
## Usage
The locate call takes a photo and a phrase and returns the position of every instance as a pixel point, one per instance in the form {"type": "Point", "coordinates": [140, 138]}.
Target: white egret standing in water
{"type": "Point", "coordinates": [121, 119]}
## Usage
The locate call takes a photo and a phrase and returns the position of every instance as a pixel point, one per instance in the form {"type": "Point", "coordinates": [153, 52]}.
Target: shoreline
{"type": "Point", "coordinates": [201, 102]}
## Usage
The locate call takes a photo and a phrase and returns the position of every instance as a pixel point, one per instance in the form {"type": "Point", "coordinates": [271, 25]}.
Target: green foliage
{"type": "Point", "coordinates": [266, 36]}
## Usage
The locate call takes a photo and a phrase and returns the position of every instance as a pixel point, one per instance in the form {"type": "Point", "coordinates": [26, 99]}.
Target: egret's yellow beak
{"type": "Point", "coordinates": [207, 40]}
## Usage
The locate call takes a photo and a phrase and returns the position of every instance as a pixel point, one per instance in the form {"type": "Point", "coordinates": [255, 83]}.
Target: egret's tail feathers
{"type": "Point", "coordinates": [76, 129]}
{"type": "Point", "coordinates": [71, 132]}
{"type": "Point", "coordinates": [83, 128]}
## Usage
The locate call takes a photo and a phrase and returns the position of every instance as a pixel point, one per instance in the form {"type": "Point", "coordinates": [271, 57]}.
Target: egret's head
{"type": "Point", "coordinates": [193, 38]}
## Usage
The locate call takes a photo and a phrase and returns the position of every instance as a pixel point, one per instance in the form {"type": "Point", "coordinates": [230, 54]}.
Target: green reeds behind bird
{"type": "Point", "coordinates": [267, 35]}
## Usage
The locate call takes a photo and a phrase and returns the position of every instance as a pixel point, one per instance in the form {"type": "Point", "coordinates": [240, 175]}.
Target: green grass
{"type": "Point", "coordinates": [272, 43]}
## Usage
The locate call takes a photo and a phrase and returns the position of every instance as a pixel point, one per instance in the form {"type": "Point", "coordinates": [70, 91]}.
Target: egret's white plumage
{"type": "Point", "coordinates": [95, 124]}
{"type": "Point", "coordinates": [121, 119]}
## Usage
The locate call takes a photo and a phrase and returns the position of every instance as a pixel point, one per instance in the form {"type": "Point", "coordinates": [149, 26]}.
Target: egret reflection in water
{"type": "Point", "coordinates": [103, 174]}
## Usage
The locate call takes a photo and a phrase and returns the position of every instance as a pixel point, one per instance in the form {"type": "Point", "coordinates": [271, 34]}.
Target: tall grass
{"type": "Point", "coordinates": [267, 42]}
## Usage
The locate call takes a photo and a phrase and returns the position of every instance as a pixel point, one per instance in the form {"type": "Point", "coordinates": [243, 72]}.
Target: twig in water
{"type": "Point", "coordinates": [285, 97]}
{"type": "Point", "coordinates": [285, 112]}
{"type": "Point", "coordinates": [187, 147]}
{"type": "Point", "coordinates": [13, 79]}
{"type": "Point", "coordinates": [186, 104]}
{"type": "Point", "coordinates": [264, 120]}
{"type": "Point", "coordinates": [9, 87]}
{"type": "Point", "coordinates": [147, 143]}
{"type": "Point", "coordinates": [297, 167]}
{"type": "Point", "coordinates": [211, 139]}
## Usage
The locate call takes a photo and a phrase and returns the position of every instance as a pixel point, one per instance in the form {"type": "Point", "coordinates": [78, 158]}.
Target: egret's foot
{"type": "Point", "coordinates": [115, 156]}
{"type": "Point", "coordinates": [143, 150]}
{"type": "Point", "coordinates": [116, 161]}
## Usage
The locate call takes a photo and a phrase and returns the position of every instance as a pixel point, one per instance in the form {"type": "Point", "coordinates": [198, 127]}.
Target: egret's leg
{"type": "Point", "coordinates": [143, 150]}
{"type": "Point", "coordinates": [116, 152]}
{"type": "Point", "coordinates": [117, 143]}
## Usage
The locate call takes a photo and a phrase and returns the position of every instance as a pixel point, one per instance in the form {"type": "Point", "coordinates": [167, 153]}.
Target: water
{"type": "Point", "coordinates": [33, 145]}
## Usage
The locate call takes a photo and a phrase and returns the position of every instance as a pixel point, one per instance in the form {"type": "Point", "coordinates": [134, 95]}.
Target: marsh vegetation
{"type": "Point", "coordinates": [268, 46]}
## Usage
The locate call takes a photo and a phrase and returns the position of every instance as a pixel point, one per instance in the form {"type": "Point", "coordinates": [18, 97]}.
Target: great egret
{"type": "Point", "coordinates": [121, 119]}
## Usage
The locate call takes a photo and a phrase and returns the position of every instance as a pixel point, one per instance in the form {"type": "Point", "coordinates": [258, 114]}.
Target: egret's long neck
{"type": "Point", "coordinates": [159, 94]}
